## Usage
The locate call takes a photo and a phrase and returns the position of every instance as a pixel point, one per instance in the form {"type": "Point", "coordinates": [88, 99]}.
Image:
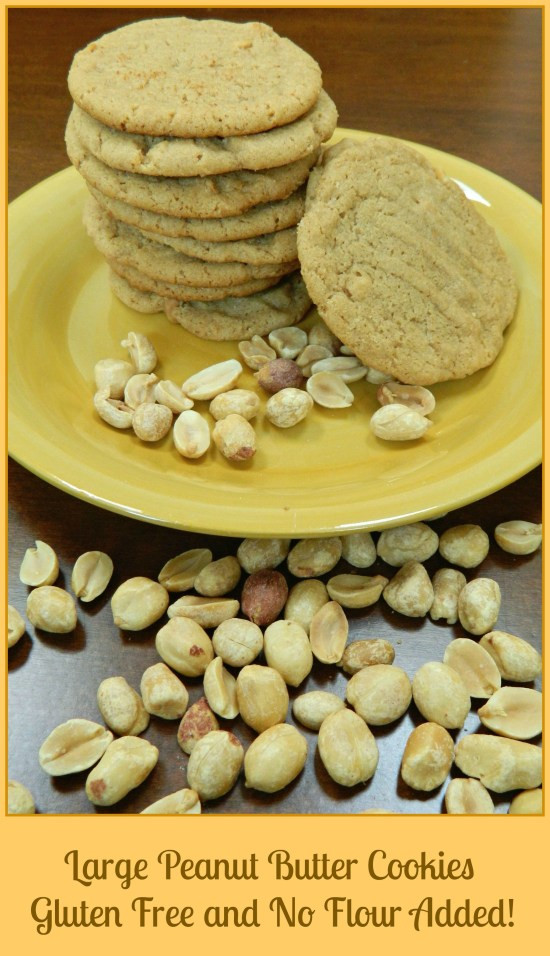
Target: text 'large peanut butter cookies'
{"type": "Point", "coordinates": [183, 77]}
{"type": "Point", "coordinates": [402, 267]}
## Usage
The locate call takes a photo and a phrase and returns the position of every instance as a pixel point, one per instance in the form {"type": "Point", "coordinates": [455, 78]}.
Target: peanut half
{"type": "Point", "coordinates": [304, 600]}
{"type": "Point", "coordinates": [288, 650]}
{"type": "Point", "coordinates": [428, 757]}
{"type": "Point", "coordinates": [513, 712]}
{"type": "Point", "coordinates": [220, 690]}
{"type": "Point", "coordinates": [262, 554]}
{"type": "Point", "coordinates": [320, 334]}
{"type": "Point", "coordinates": [39, 565]}
{"type": "Point", "coordinates": [206, 611]}
{"type": "Point", "coordinates": [191, 434]}
{"type": "Point", "coordinates": [348, 367]}
{"type": "Point", "coordinates": [262, 696]}
{"type": "Point", "coordinates": [347, 748]}
{"type": "Point", "coordinates": [416, 397]}
{"type": "Point", "coordinates": [466, 545]}
{"type": "Point", "coordinates": [447, 584]}
{"type": "Point", "coordinates": [441, 695]}
{"type": "Point", "coordinates": [51, 609]}
{"type": "Point", "coordinates": [412, 542]}
{"type": "Point", "coordinates": [139, 388]}
{"type": "Point", "coordinates": [213, 380]}
{"type": "Point", "coordinates": [311, 557]}
{"type": "Point", "coordinates": [73, 746]}
{"type": "Point", "coordinates": [137, 603]}
{"type": "Point", "coordinates": [180, 573]}
{"type": "Point", "coordinates": [380, 694]}
{"type": "Point", "coordinates": [111, 375]}
{"type": "Point", "coordinates": [256, 352]}
{"type": "Point", "coordinates": [312, 708]}
{"type": "Point", "coordinates": [311, 354]}
{"type": "Point", "coordinates": [516, 659]}
{"type": "Point", "coordinates": [328, 633]}
{"type": "Point", "coordinates": [215, 764]}
{"type": "Point", "coordinates": [238, 642]}
{"type": "Point", "coordinates": [359, 549]}
{"type": "Point", "coordinates": [356, 590]}
{"type": "Point", "coordinates": [467, 795]}
{"type": "Point", "coordinates": [196, 723]}
{"type": "Point", "coordinates": [500, 763]}
{"type": "Point", "coordinates": [218, 577]}
{"type": "Point", "coordinates": [162, 693]}
{"type": "Point", "coordinates": [479, 605]}
{"type": "Point", "coordinates": [141, 351]}
{"type": "Point", "coordinates": [329, 390]}
{"type": "Point", "coordinates": [16, 626]}
{"type": "Point", "coordinates": [518, 537]}
{"type": "Point", "coordinates": [124, 766]}
{"type": "Point", "coordinates": [361, 654]}
{"type": "Point", "coordinates": [476, 667]}
{"type": "Point", "coordinates": [114, 411]}
{"type": "Point", "coordinates": [184, 646]}
{"type": "Point", "coordinates": [527, 802]}
{"type": "Point", "coordinates": [171, 395]}
{"type": "Point", "coordinates": [275, 758]}
{"type": "Point", "coordinates": [20, 799]}
{"type": "Point", "coordinates": [288, 342]}
{"type": "Point", "coordinates": [92, 572]}
{"type": "Point", "coordinates": [181, 802]}
{"type": "Point", "coordinates": [410, 591]}
{"type": "Point", "coordinates": [121, 706]}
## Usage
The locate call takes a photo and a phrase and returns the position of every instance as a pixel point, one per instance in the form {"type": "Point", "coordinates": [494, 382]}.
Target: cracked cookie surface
{"type": "Point", "coordinates": [178, 76]}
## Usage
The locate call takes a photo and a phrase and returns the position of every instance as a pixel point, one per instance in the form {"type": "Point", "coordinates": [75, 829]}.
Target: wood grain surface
{"type": "Point", "coordinates": [466, 81]}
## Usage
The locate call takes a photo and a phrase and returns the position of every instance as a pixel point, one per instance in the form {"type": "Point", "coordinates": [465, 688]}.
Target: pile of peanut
{"type": "Point", "coordinates": [248, 650]}
{"type": "Point", "coordinates": [295, 368]}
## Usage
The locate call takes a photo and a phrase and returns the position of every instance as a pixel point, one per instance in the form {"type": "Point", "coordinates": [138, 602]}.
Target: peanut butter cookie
{"type": "Point", "coordinates": [402, 266]}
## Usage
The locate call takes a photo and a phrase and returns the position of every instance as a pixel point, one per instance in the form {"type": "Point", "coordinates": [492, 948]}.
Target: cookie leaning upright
{"type": "Point", "coordinates": [402, 267]}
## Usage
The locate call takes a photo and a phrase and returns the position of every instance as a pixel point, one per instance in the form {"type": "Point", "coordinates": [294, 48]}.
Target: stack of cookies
{"type": "Point", "coordinates": [195, 139]}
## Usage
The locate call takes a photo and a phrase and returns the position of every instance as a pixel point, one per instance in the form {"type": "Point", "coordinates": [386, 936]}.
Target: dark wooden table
{"type": "Point", "coordinates": [466, 81]}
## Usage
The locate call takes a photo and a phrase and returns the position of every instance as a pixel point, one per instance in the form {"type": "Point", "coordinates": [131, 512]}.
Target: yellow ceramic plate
{"type": "Point", "coordinates": [326, 475]}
